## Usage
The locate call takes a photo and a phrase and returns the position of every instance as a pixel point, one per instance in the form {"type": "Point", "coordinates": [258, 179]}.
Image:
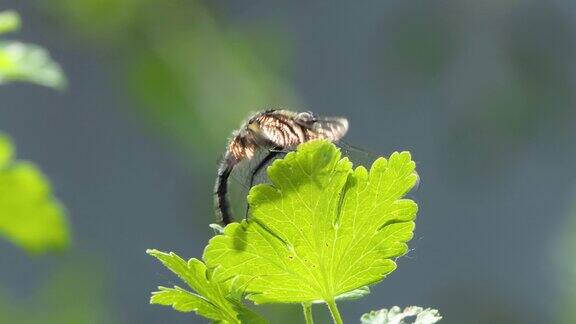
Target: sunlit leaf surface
{"type": "Point", "coordinates": [217, 301]}
{"type": "Point", "coordinates": [321, 229]}
{"type": "Point", "coordinates": [30, 217]}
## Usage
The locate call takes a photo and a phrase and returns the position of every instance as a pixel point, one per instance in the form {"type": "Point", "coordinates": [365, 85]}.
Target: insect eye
{"type": "Point", "coordinates": [306, 116]}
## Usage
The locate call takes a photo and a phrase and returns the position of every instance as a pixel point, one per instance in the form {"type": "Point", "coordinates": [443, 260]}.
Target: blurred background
{"type": "Point", "coordinates": [481, 93]}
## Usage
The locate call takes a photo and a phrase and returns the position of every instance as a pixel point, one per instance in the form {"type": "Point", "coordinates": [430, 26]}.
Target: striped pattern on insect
{"type": "Point", "coordinates": [275, 131]}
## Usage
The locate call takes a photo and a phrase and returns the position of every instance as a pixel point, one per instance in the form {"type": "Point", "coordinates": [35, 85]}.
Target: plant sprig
{"type": "Point", "coordinates": [30, 216]}
{"type": "Point", "coordinates": [321, 231]}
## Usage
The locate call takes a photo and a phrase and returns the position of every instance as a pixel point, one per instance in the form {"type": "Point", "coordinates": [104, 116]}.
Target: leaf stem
{"type": "Point", "coordinates": [307, 309]}
{"type": "Point", "coordinates": [334, 311]}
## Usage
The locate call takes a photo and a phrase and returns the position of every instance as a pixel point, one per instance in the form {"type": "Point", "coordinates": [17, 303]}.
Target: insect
{"type": "Point", "coordinates": [275, 131]}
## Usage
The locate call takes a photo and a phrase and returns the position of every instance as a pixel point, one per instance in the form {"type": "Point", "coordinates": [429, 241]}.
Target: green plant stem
{"type": "Point", "coordinates": [307, 308]}
{"type": "Point", "coordinates": [334, 311]}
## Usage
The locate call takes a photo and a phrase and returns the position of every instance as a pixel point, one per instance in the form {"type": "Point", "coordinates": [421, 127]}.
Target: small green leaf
{"type": "Point", "coordinates": [215, 300]}
{"type": "Point", "coordinates": [6, 151]}
{"type": "Point", "coordinates": [26, 62]}
{"type": "Point", "coordinates": [321, 229]}
{"type": "Point", "coordinates": [30, 217]}
{"type": "Point", "coordinates": [397, 316]}
{"type": "Point", "coordinates": [30, 63]}
{"type": "Point", "coordinates": [9, 21]}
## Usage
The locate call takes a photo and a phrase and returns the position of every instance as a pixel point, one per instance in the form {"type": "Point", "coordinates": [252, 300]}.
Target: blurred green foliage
{"type": "Point", "coordinates": [565, 255]}
{"type": "Point", "coordinates": [9, 21]}
{"type": "Point", "coordinates": [73, 294]}
{"type": "Point", "coordinates": [26, 62]}
{"type": "Point", "coordinates": [30, 217]}
{"type": "Point", "coordinates": [193, 77]}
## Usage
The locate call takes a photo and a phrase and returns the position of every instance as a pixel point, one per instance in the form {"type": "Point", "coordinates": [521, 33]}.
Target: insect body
{"type": "Point", "coordinates": [275, 131]}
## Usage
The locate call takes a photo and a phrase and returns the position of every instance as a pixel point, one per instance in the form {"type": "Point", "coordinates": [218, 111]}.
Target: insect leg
{"type": "Point", "coordinates": [223, 212]}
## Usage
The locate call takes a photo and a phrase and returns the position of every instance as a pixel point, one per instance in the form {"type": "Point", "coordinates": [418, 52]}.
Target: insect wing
{"type": "Point", "coordinates": [332, 128]}
{"type": "Point", "coordinates": [247, 174]}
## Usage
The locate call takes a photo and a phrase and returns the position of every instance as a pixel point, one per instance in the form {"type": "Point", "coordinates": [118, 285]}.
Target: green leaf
{"type": "Point", "coordinates": [9, 21]}
{"type": "Point", "coordinates": [397, 316]}
{"type": "Point", "coordinates": [321, 229]}
{"type": "Point", "coordinates": [26, 62]}
{"type": "Point", "coordinates": [6, 151]}
{"type": "Point", "coordinates": [30, 63]}
{"type": "Point", "coordinates": [215, 300]}
{"type": "Point", "coordinates": [30, 217]}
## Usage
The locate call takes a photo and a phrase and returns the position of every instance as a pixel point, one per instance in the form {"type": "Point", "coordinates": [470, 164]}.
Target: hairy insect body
{"type": "Point", "coordinates": [274, 130]}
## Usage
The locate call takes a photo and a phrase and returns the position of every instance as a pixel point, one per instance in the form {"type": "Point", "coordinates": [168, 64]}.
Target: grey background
{"type": "Point", "coordinates": [497, 168]}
